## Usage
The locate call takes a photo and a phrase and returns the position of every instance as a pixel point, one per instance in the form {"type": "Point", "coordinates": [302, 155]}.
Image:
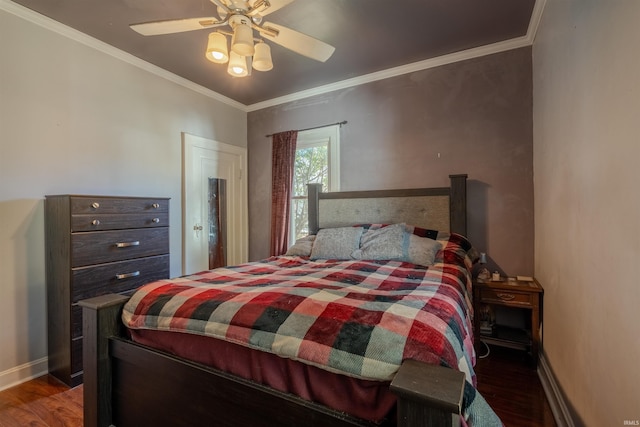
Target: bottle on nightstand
{"type": "Point", "coordinates": [487, 320]}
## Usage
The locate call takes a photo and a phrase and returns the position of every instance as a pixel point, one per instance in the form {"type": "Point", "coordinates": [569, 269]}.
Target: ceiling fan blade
{"type": "Point", "coordinates": [273, 6]}
{"type": "Point", "coordinates": [155, 28]}
{"type": "Point", "coordinates": [300, 43]}
{"type": "Point", "coordinates": [222, 5]}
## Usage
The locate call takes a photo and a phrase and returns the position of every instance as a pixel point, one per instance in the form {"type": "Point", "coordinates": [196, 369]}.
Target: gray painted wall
{"type": "Point", "coordinates": [77, 120]}
{"type": "Point", "coordinates": [587, 235]}
{"type": "Point", "coordinates": [472, 117]}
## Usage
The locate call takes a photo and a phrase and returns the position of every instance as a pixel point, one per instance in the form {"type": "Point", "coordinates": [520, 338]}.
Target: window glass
{"type": "Point", "coordinates": [316, 161]}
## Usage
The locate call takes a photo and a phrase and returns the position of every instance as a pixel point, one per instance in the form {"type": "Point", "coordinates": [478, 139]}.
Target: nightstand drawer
{"type": "Point", "coordinates": [507, 297]}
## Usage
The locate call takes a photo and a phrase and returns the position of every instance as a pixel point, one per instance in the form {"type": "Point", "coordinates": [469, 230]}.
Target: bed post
{"type": "Point", "coordinates": [428, 395]}
{"type": "Point", "coordinates": [101, 320]}
{"type": "Point", "coordinates": [458, 204]}
{"type": "Point", "coordinates": [313, 190]}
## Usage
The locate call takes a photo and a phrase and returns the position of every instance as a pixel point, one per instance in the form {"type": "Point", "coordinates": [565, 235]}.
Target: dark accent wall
{"type": "Point", "coordinates": [414, 130]}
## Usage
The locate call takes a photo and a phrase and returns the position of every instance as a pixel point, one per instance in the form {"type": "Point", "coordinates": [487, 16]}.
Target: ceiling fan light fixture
{"type": "Point", "coordinates": [242, 41]}
{"type": "Point", "coordinates": [243, 17]}
{"type": "Point", "coordinates": [217, 48]}
{"type": "Point", "coordinates": [237, 65]}
{"type": "Point", "coordinates": [262, 59]}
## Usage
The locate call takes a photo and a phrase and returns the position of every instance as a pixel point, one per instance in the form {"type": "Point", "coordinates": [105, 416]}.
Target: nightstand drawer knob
{"type": "Point", "coordinates": [506, 297]}
{"type": "Point", "coordinates": [156, 220]}
{"type": "Point", "coordinates": [95, 205]}
{"type": "Point", "coordinates": [155, 205]}
{"type": "Point", "coordinates": [95, 222]}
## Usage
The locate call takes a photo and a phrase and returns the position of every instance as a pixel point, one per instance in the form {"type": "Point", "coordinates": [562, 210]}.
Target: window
{"type": "Point", "coordinates": [317, 161]}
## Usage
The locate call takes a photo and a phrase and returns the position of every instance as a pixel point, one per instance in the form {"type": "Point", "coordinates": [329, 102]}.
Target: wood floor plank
{"type": "Point", "coordinates": [59, 410]}
{"type": "Point", "coordinates": [42, 402]}
{"type": "Point", "coordinates": [35, 389]}
{"type": "Point", "coordinates": [512, 388]}
{"type": "Point", "coordinates": [20, 416]}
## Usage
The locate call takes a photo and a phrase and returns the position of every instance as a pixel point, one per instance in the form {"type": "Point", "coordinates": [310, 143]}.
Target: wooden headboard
{"type": "Point", "coordinates": [442, 208]}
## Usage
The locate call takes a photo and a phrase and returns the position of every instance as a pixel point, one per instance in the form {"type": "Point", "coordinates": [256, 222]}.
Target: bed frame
{"type": "Point", "coordinates": [128, 384]}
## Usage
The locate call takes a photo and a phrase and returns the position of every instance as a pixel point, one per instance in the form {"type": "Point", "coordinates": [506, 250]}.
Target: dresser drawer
{"type": "Point", "coordinates": [76, 321]}
{"type": "Point", "coordinates": [76, 356]}
{"type": "Point", "coordinates": [117, 277]}
{"type": "Point", "coordinates": [116, 205]}
{"type": "Point", "coordinates": [505, 297]}
{"type": "Point", "coordinates": [99, 222]}
{"type": "Point", "coordinates": [107, 246]}
{"type": "Point", "coordinates": [100, 280]}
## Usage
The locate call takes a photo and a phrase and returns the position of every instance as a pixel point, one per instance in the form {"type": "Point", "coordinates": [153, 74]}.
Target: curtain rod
{"type": "Point", "coordinates": [317, 127]}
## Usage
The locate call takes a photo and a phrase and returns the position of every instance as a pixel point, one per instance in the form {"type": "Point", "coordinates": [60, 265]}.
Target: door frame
{"type": "Point", "coordinates": [237, 234]}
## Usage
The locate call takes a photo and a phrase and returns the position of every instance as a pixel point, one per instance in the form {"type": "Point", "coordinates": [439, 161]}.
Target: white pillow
{"type": "Point", "coordinates": [336, 243]}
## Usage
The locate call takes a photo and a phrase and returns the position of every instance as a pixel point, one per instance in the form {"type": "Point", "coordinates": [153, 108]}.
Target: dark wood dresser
{"type": "Point", "coordinates": [97, 245]}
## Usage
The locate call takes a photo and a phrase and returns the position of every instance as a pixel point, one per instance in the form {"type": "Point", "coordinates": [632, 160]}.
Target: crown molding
{"type": "Point", "coordinates": [57, 27]}
{"type": "Point", "coordinates": [66, 31]}
{"type": "Point", "coordinates": [396, 71]}
{"type": "Point", "coordinates": [536, 17]}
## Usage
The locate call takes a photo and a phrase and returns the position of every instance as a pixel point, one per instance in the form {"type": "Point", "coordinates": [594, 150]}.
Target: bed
{"type": "Point", "coordinates": [275, 342]}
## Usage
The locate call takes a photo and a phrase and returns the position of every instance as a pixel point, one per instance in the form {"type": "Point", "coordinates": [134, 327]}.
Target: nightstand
{"type": "Point", "coordinates": [526, 296]}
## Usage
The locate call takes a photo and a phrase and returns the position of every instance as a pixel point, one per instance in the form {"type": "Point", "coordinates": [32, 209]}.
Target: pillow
{"type": "Point", "coordinates": [421, 250]}
{"type": "Point", "coordinates": [336, 243]}
{"type": "Point", "coordinates": [383, 243]}
{"type": "Point", "coordinates": [302, 246]}
{"type": "Point", "coordinates": [418, 231]}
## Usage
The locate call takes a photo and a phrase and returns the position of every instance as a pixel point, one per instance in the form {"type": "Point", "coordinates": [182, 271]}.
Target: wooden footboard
{"type": "Point", "coordinates": [127, 384]}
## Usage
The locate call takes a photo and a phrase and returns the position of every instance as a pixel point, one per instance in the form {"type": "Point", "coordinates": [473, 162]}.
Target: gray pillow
{"type": "Point", "coordinates": [336, 243]}
{"type": "Point", "coordinates": [302, 246]}
{"type": "Point", "coordinates": [421, 250]}
{"type": "Point", "coordinates": [384, 243]}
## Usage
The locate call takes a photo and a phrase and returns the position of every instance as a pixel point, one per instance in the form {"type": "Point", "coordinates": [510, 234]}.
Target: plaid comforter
{"type": "Point", "coordinates": [358, 318]}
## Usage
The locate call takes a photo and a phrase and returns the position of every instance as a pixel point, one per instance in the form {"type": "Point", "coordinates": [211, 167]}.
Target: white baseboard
{"type": "Point", "coordinates": [554, 396]}
{"type": "Point", "coordinates": [19, 374]}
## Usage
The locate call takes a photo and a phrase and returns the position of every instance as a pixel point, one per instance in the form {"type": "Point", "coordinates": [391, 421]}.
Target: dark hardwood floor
{"type": "Point", "coordinates": [508, 381]}
{"type": "Point", "coordinates": [42, 402]}
{"type": "Point", "coordinates": [505, 379]}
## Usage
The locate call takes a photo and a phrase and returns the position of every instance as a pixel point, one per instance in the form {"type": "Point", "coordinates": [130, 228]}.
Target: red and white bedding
{"type": "Point", "coordinates": [359, 318]}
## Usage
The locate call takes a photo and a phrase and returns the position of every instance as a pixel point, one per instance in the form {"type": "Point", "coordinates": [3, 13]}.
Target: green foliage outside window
{"type": "Point", "coordinates": [311, 166]}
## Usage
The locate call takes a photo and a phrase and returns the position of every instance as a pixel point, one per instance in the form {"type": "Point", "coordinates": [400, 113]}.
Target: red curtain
{"type": "Point", "coordinates": [282, 164]}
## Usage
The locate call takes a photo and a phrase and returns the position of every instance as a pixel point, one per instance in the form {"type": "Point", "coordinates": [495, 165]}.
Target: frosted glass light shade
{"type": "Point", "coordinates": [237, 65]}
{"type": "Point", "coordinates": [262, 58]}
{"type": "Point", "coordinates": [242, 41]}
{"type": "Point", "coordinates": [217, 48]}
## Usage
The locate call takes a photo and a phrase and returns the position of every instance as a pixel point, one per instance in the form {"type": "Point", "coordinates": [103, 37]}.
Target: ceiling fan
{"type": "Point", "coordinates": [243, 16]}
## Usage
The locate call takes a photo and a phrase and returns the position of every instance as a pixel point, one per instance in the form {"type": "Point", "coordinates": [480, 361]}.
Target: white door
{"type": "Point", "coordinates": [203, 159]}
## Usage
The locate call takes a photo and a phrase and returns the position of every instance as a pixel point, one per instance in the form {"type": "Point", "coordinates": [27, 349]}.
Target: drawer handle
{"type": "Point", "coordinates": [506, 297]}
{"type": "Point", "coordinates": [95, 222]}
{"type": "Point", "coordinates": [127, 244]}
{"type": "Point", "coordinates": [127, 275]}
{"type": "Point", "coordinates": [95, 205]}
{"type": "Point", "coordinates": [156, 220]}
{"type": "Point", "coordinates": [155, 205]}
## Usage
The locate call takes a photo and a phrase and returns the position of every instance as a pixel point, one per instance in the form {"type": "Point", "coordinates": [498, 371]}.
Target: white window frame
{"type": "Point", "coordinates": [329, 136]}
